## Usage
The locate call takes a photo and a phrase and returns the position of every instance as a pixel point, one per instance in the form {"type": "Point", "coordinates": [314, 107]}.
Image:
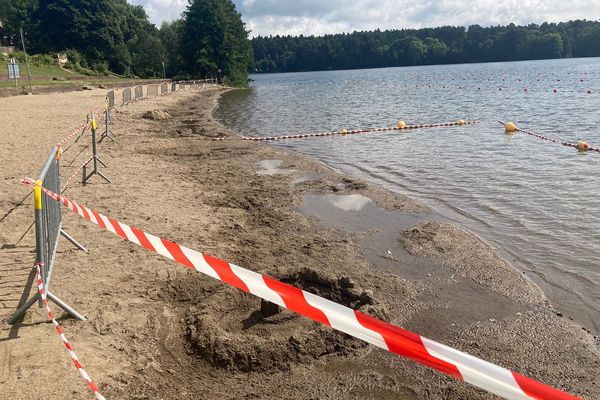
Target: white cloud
{"type": "Point", "coordinates": [265, 17]}
{"type": "Point", "coordinates": [162, 10]}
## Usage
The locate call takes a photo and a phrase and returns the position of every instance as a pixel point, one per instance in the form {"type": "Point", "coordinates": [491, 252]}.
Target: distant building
{"type": "Point", "coordinates": [62, 59]}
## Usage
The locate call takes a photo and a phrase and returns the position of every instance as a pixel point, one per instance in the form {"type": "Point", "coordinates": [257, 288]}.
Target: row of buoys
{"type": "Point", "coordinates": [511, 128]}
{"type": "Point", "coordinates": [500, 88]}
{"type": "Point", "coordinates": [400, 125]}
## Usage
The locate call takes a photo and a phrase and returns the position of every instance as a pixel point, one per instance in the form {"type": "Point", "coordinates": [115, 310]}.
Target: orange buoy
{"type": "Point", "coordinates": [583, 146]}
{"type": "Point", "coordinates": [401, 124]}
{"type": "Point", "coordinates": [460, 122]}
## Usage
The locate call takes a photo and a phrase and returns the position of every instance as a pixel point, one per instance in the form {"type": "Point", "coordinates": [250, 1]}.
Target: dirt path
{"type": "Point", "coordinates": [156, 330]}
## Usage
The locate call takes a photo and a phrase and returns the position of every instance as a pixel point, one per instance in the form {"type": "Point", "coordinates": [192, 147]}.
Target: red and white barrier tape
{"type": "Point", "coordinates": [352, 132]}
{"type": "Point", "coordinates": [76, 172]}
{"type": "Point", "coordinates": [490, 377]}
{"type": "Point", "coordinates": [61, 333]}
{"type": "Point", "coordinates": [78, 130]}
{"type": "Point", "coordinates": [549, 139]}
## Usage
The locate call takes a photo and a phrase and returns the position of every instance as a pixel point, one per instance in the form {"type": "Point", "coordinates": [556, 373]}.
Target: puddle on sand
{"type": "Point", "coordinates": [306, 178]}
{"type": "Point", "coordinates": [271, 167]}
{"type": "Point", "coordinates": [357, 213]}
{"type": "Point", "coordinates": [450, 300]}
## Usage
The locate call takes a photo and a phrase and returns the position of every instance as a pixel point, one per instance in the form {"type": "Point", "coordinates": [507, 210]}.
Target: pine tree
{"type": "Point", "coordinates": [214, 37]}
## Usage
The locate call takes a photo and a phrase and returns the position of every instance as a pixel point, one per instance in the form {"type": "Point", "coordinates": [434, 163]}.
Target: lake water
{"type": "Point", "coordinates": [538, 201]}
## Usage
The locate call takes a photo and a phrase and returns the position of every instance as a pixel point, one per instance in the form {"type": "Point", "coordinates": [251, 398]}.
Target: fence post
{"type": "Point", "coordinates": [108, 133]}
{"type": "Point", "coordinates": [95, 159]}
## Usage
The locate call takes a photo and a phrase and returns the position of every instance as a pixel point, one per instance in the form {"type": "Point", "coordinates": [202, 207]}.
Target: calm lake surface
{"type": "Point", "coordinates": [538, 201]}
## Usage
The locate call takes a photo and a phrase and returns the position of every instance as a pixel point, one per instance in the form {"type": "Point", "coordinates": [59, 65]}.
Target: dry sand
{"type": "Point", "coordinates": [157, 330]}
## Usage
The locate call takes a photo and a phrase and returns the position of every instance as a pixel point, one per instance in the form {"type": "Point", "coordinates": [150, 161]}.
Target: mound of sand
{"type": "Point", "coordinates": [156, 115]}
{"type": "Point", "coordinates": [470, 256]}
{"type": "Point", "coordinates": [230, 332]}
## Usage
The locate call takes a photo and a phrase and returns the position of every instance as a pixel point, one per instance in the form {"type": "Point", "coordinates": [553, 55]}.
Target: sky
{"type": "Point", "coordinates": [318, 17]}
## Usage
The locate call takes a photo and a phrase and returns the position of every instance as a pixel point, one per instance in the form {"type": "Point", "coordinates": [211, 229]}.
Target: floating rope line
{"type": "Point", "coordinates": [581, 146]}
{"type": "Point", "coordinates": [343, 132]}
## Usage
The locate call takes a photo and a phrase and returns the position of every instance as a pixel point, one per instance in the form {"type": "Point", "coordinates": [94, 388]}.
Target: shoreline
{"type": "Point", "coordinates": [153, 326]}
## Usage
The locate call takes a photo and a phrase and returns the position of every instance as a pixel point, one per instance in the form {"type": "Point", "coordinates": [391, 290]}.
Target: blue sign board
{"type": "Point", "coordinates": [14, 71]}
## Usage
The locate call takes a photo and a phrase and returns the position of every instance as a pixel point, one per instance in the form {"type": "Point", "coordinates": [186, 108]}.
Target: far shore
{"type": "Point", "coordinates": [157, 330]}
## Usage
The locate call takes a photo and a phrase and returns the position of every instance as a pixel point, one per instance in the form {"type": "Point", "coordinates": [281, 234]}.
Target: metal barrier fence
{"type": "Point", "coordinates": [152, 90]}
{"type": "Point", "coordinates": [196, 84]}
{"type": "Point", "coordinates": [48, 217]}
{"type": "Point", "coordinates": [48, 229]}
{"type": "Point", "coordinates": [110, 99]}
{"type": "Point", "coordinates": [126, 96]}
{"type": "Point", "coordinates": [139, 92]}
{"type": "Point", "coordinates": [173, 87]}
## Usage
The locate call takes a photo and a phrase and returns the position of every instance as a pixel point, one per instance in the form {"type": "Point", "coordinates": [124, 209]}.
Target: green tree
{"type": "Point", "coordinates": [214, 37]}
{"type": "Point", "coordinates": [89, 26]}
{"type": "Point", "coordinates": [588, 42]}
{"type": "Point", "coordinates": [147, 54]}
{"type": "Point", "coordinates": [122, 58]}
{"type": "Point", "coordinates": [16, 14]}
{"type": "Point", "coordinates": [436, 49]}
{"type": "Point", "coordinates": [549, 45]}
{"type": "Point", "coordinates": [409, 50]}
{"type": "Point", "coordinates": [170, 35]}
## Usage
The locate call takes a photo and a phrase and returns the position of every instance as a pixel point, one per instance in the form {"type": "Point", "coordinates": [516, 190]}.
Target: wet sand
{"type": "Point", "coordinates": [157, 330]}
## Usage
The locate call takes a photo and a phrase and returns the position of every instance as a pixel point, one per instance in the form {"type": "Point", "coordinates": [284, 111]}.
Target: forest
{"type": "Point", "coordinates": [209, 40]}
{"type": "Point", "coordinates": [443, 45]}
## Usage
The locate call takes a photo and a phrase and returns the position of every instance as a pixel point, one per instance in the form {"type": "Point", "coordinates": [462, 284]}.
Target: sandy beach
{"type": "Point", "coordinates": [157, 330]}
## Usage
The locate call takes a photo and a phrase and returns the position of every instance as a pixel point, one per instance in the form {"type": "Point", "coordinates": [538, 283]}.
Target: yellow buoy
{"type": "Point", "coordinates": [510, 127]}
{"type": "Point", "coordinates": [460, 122]}
{"type": "Point", "coordinates": [401, 124]}
{"type": "Point", "coordinates": [344, 131]}
{"type": "Point", "coordinates": [583, 146]}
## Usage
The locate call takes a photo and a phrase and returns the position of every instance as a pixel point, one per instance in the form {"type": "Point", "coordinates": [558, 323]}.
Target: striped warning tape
{"type": "Point", "coordinates": [61, 333]}
{"type": "Point", "coordinates": [76, 172]}
{"type": "Point", "coordinates": [79, 130]}
{"type": "Point", "coordinates": [462, 366]}
{"type": "Point", "coordinates": [549, 139]}
{"type": "Point", "coordinates": [353, 131]}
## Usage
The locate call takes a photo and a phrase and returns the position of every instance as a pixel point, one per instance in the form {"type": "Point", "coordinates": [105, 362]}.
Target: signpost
{"type": "Point", "coordinates": [26, 61]}
{"type": "Point", "coordinates": [14, 71]}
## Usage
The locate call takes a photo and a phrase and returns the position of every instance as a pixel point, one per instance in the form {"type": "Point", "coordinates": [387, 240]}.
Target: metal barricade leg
{"type": "Point", "coordinates": [21, 310]}
{"type": "Point", "coordinates": [64, 306]}
{"type": "Point", "coordinates": [72, 240]}
{"type": "Point", "coordinates": [108, 133]}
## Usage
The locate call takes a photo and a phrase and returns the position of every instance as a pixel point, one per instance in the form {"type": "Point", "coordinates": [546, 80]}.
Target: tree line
{"type": "Point", "coordinates": [209, 40]}
{"type": "Point", "coordinates": [443, 45]}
